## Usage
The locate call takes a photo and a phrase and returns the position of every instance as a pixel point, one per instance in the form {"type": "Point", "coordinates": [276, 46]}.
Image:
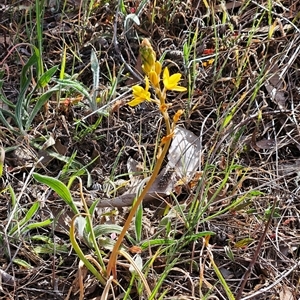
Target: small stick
{"type": "Point", "coordinates": [254, 259]}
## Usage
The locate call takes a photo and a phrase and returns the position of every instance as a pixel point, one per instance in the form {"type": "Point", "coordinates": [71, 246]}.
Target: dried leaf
{"type": "Point", "coordinates": [275, 86]}
{"type": "Point", "coordinates": [49, 142]}
{"type": "Point", "coordinates": [277, 96]}
{"type": "Point", "coordinates": [133, 167]}
{"type": "Point", "coordinates": [60, 148]}
{"type": "Point", "coordinates": [285, 293]}
{"type": "Point", "coordinates": [266, 144]}
{"type": "Point", "coordinates": [184, 153]}
{"type": "Point", "coordinates": [285, 169]}
{"type": "Point", "coordinates": [183, 163]}
{"type": "Point", "coordinates": [7, 278]}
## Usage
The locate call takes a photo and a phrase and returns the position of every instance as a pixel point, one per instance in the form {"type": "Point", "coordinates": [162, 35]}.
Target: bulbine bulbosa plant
{"type": "Point", "coordinates": [153, 73]}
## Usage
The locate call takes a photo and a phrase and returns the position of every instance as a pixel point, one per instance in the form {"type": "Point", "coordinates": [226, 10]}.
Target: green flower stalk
{"type": "Point", "coordinates": [153, 70]}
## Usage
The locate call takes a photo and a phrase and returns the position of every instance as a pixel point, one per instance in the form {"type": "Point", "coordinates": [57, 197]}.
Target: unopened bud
{"type": "Point", "coordinates": [148, 56]}
{"type": "Point", "coordinates": [154, 78]}
{"type": "Point", "coordinates": [158, 68]}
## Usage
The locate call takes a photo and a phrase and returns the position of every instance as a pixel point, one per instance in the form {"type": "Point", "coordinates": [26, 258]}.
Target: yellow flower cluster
{"type": "Point", "coordinates": [153, 69]}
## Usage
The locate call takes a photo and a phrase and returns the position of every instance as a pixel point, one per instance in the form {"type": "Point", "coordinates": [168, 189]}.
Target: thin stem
{"type": "Point", "coordinates": [255, 256]}
{"type": "Point", "coordinates": [90, 224]}
{"type": "Point", "coordinates": [111, 267]}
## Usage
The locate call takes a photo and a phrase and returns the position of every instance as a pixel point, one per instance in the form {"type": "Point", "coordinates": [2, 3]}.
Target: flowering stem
{"type": "Point", "coordinates": [111, 267]}
{"type": "Point", "coordinates": [152, 69]}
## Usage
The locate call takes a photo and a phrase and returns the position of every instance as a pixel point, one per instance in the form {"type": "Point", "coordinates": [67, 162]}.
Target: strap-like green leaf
{"type": "Point", "coordinates": [58, 187]}
{"type": "Point", "coordinates": [47, 76]}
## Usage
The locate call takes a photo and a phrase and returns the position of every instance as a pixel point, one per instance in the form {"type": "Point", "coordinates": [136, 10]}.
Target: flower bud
{"type": "Point", "coordinates": [154, 78]}
{"type": "Point", "coordinates": [158, 68]}
{"type": "Point", "coordinates": [148, 56]}
{"type": "Point", "coordinates": [146, 68]}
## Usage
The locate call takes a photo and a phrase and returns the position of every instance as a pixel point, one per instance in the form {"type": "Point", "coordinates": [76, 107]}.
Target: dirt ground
{"type": "Point", "coordinates": [240, 60]}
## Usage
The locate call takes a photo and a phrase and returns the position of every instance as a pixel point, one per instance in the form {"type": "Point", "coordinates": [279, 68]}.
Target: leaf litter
{"type": "Point", "coordinates": [255, 58]}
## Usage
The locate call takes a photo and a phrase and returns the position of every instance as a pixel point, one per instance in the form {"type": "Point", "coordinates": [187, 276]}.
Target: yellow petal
{"type": "Point", "coordinates": [135, 102]}
{"type": "Point", "coordinates": [136, 90]}
{"type": "Point", "coordinates": [140, 92]}
{"type": "Point", "coordinates": [174, 79]}
{"type": "Point", "coordinates": [145, 95]}
{"type": "Point", "coordinates": [147, 83]}
{"type": "Point", "coordinates": [170, 82]}
{"type": "Point", "coordinates": [179, 89]}
{"type": "Point", "coordinates": [166, 74]}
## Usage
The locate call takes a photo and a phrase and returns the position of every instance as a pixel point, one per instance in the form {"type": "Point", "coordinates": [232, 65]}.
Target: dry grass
{"type": "Point", "coordinates": [240, 61]}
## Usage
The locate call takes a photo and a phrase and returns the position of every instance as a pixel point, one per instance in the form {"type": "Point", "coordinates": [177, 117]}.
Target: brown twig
{"type": "Point", "coordinates": [254, 259]}
{"type": "Point", "coordinates": [12, 49]}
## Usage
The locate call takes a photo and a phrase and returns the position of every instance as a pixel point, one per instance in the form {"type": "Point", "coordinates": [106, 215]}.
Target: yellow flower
{"type": "Point", "coordinates": [208, 62]}
{"type": "Point", "coordinates": [140, 94]}
{"type": "Point", "coordinates": [171, 82]}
